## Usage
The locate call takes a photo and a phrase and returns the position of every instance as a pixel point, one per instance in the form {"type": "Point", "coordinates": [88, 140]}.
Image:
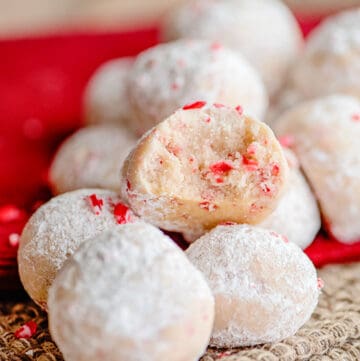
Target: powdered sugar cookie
{"type": "Point", "coordinates": [167, 76]}
{"type": "Point", "coordinates": [202, 166]}
{"type": "Point", "coordinates": [297, 215]}
{"type": "Point", "coordinates": [265, 288]}
{"type": "Point", "coordinates": [57, 229]}
{"type": "Point", "coordinates": [91, 157]}
{"type": "Point", "coordinates": [130, 294]}
{"type": "Point", "coordinates": [105, 98]}
{"type": "Point", "coordinates": [320, 7]}
{"type": "Point", "coordinates": [325, 136]}
{"type": "Point", "coordinates": [264, 31]}
{"type": "Point", "coordinates": [331, 59]}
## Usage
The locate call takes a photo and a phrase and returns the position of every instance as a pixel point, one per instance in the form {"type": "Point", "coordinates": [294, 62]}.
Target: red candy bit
{"type": "Point", "coordinates": [275, 170]}
{"type": "Point", "coordinates": [285, 239]}
{"type": "Point", "coordinates": [161, 161]}
{"type": "Point", "coordinates": [10, 213]}
{"type": "Point", "coordinates": [196, 105]}
{"type": "Point", "coordinates": [265, 188]}
{"type": "Point", "coordinates": [122, 213]}
{"type": "Point", "coordinates": [228, 223]}
{"type": "Point", "coordinates": [128, 185]}
{"type": "Point", "coordinates": [287, 141]}
{"type": "Point", "coordinates": [216, 46]}
{"type": "Point", "coordinates": [355, 117]}
{"type": "Point", "coordinates": [191, 159]}
{"type": "Point", "coordinates": [250, 164]}
{"type": "Point", "coordinates": [208, 120]}
{"type": "Point", "coordinates": [223, 354]}
{"type": "Point", "coordinates": [27, 330]}
{"type": "Point", "coordinates": [320, 283]}
{"type": "Point", "coordinates": [218, 105]}
{"type": "Point", "coordinates": [219, 180]}
{"type": "Point", "coordinates": [174, 149]}
{"type": "Point", "coordinates": [14, 239]}
{"type": "Point", "coordinates": [210, 207]}
{"type": "Point", "coordinates": [96, 203]}
{"type": "Point", "coordinates": [251, 149]}
{"type": "Point", "coordinates": [239, 109]}
{"type": "Point", "coordinates": [221, 167]}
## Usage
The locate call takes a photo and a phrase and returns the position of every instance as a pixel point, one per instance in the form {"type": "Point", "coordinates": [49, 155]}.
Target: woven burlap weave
{"type": "Point", "coordinates": [333, 333]}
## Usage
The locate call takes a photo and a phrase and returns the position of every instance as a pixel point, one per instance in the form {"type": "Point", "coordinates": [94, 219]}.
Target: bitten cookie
{"type": "Point", "coordinates": [325, 136]}
{"type": "Point", "coordinates": [265, 288]}
{"type": "Point", "coordinates": [204, 165]}
{"type": "Point", "coordinates": [130, 294]}
{"type": "Point", "coordinates": [330, 62]}
{"type": "Point", "coordinates": [167, 76]}
{"type": "Point", "coordinates": [91, 158]}
{"type": "Point", "coordinates": [264, 31]}
{"type": "Point", "coordinates": [105, 98]}
{"type": "Point", "coordinates": [297, 215]}
{"type": "Point", "coordinates": [57, 229]}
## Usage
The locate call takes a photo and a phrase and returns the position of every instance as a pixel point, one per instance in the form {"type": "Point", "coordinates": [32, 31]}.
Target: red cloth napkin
{"type": "Point", "coordinates": [41, 85]}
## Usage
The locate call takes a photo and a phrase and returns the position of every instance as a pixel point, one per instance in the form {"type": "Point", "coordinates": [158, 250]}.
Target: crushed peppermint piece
{"type": "Point", "coordinates": [96, 203]}
{"type": "Point", "coordinates": [10, 213]}
{"type": "Point", "coordinates": [251, 149]}
{"type": "Point", "coordinates": [228, 223]}
{"type": "Point", "coordinates": [196, 105]}
{"type": "Point", "coordinates": [27, 330]}
{"type": "Point", "coordinates": [208, 120]}
{"type": "Point", "coordinates": [320, 283]}
{"type": "Point", "coordinates": [218, 105]}
{"type": "Point", "coordinates": [286, 141]}
{"type": "Point", "coordinates": [239, 109]}
{"type": "Point", "coordinates": [356, 117]}
{"type": "Point", "coordinates": [250, 164]}
{"type": "Point", "coordinates": [210, 207]}
{"type": "Point", "coordinates": [275, 170]}
{"type": "Point", "coordinates": [14, 239]}
{"type": "Point", "coordinates": [221, 167]}
{"type": "Point", "coordinates": [122, 213]}
{"type": "Point", "coordinates": [128, 185]}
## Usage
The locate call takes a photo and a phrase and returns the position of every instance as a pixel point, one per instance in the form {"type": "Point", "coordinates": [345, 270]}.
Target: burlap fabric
{"type": "Point", "coordinates": [333, 333]}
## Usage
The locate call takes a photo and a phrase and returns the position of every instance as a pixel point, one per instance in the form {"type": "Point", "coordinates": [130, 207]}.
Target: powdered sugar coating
{"type": "Point", "coordinates": [326, 135]}
{"type": "Point", "coordinates": [297, 215]}
{"type": "Point", "coordinates": [265, 288]}
{"type": "Point", "coordinates": [331, 59]}
{"type": "Point", "coordinates": [105, 98]}
{"type": "Point", "coordinates": [204, 166]}
{"type": "Point", "coordinates": [56, 230]}
{"type": "Point", "coordinates": [135, 295]}
{"type": "Point", "coordinates": [168, 76]}
{"type": "Point", "coordinates": [264, 31]}
{"type": "Point", "coordinates": [91, 157]}
{"type": "Point", "coordinates": [319, 7]}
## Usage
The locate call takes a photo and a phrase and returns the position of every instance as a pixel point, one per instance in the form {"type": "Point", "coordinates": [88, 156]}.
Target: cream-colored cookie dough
{"type": "Point", "coordinates": [91, 158]}
{"type": "Point", "coordinates": [319, 7]}
{"type": "Point", "coordinates": [204, 165]}
{"type": "Point", "coordinates": [168, 76]}
{"type": "Point", "coordinates": [56, 230]}
{"type": "Point", "coordinates": [265, 288]}
{"type": "Point", "coordinates": [130, 294]}
{"type": "Point", "coordinates": [330, 62]}
{"type": "Point", "coordinates": [264, 31]}
{"type": "Point", "coordinates": [297, 215]}
{"type": "Point", "coordinates": [325, 136]}
{"type": "Point", "coordinates": [105, 98]}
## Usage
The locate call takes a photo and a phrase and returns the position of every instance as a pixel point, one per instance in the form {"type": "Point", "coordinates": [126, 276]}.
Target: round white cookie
{"type": "Point", "coordinates": [105, 97]}
{"type": "Point", "coordinates": [325, 136]}
{"type": "Point", "coordinates": [319, 7]}
{"type": "Point", "coordinates": [264, 31]}
{"type": "Point", "coordinates": [204, 165]}
{"type": "Point", "coordinates": [130, 294]}
{"type": "Point", "coordinates": [265, 288]}
{"type": "Point", "coordinates": [168, 76]}
{"type": "Point", "coordinates": [56, 230]}
{"type": "Point", "coordinates": [297, 215]}
{"type": "Point", "coordinates": [91, 158]}
{"type": "Point", "coordinates": [330, 62]}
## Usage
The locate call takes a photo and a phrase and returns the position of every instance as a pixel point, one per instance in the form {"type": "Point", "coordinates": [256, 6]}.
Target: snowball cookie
{"type": "Point", "coordinates": [91, 157]}
{"type": "Point", "coordinates": [319, 7]}
{"type": "Point", "coordinates": [297, 215]}
{"type": "Point", "coordinates": [167, 76]}
{"type": "Point", "coordinates": [325, 136]}
{"type": "Point", "coordinates": [331, 59]}
{"type": "Point", "coordinates": [264, 31]}
{"type": "Point", "coordinates": [265, 288]}
{"type": "Point", "coordinates": [56, 230]}
{"type": "Point", "coordinates": [131, 294]}
{"type": "Point", "coordinates": [105, 97]}
{"type": "Point", "coordinates": [204, 165]}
